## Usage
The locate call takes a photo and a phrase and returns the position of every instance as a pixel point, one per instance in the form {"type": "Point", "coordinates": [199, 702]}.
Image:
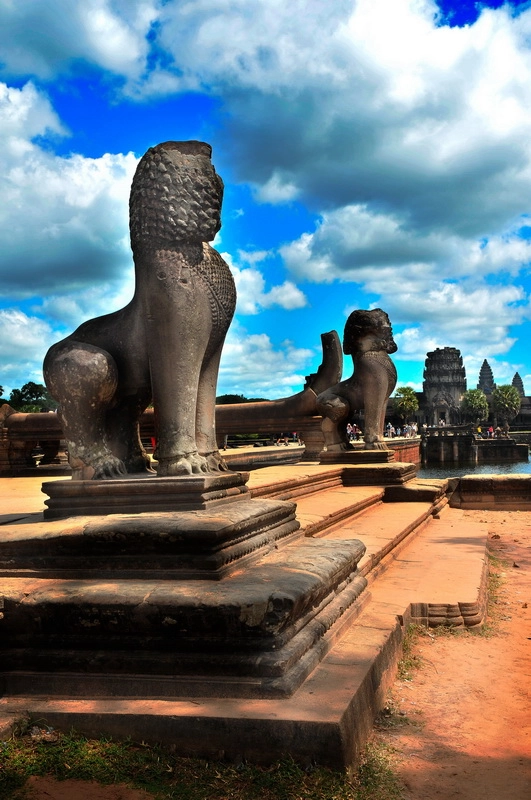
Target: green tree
{"type": "Point", "coordinates": [230, 399]}
{"type": "Point", "coordinates": [474, 404]}
{"type": "Point", "coordinates": [406, 402]}
{"type": "Point", "coordinates": [506, 402]}
{"type": "Point", "coordinates": [31, 397]}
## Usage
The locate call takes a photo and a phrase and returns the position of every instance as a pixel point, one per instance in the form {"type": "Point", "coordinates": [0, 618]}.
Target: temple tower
{"type": "Point", "coordinates": [444, 385]}
{"type": "Point", "coordinates": [518, 384]}
{"type": "Point", "coordinates": [486, 378]}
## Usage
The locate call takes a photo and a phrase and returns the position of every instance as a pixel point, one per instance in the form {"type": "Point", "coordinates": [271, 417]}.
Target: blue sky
{"type": "Point", "coordinates": [374, 153]}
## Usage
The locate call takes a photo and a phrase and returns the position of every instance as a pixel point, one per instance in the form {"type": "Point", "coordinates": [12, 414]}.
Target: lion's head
{"type": "Point", "coordinates": [362, 324]}
{"type": "Point", "coordinates": [176, 195]}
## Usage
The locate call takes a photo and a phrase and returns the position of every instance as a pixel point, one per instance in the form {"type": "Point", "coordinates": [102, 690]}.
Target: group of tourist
{"type": "Point", "coordinates": [409, 430]}
{"type": "Point", "coordinates": [491, 433]}
{"type": "Point", "coordinates": [354, 433]}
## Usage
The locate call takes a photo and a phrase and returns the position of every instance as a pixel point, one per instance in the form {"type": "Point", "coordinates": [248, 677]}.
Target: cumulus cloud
{"type": "Point", "coordinates": [253, 366]}
{"type": "Point", "coordinates": [477, 320]}
{"type": "Point", "coordinates": [382, 107]}
{"type": "Point", "coordinates": [63, 220]}
{"type": "Point", "coordinates": [43, 39]}
{"type": "Point", "coordinates": [251, 287]}
{"type": "Point", "coordinates": [23, 344]}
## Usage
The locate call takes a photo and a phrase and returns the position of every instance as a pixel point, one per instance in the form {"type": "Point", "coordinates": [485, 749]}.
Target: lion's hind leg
{"type": "Point", "coordinates": [206, 414]}
{"type": "Point", "coordinates": [124, 435]}
{"type": "Point", "coordinates": [84, 380]}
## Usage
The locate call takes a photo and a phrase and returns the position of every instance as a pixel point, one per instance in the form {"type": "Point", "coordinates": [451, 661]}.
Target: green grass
{"type": "Point", "coordinates": [410, 661]}
{"type": "Point", "coordinates": [167, 776]}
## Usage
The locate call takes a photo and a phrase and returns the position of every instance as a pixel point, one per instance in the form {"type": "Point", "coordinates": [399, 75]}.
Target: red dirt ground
{"type": "Point", "coordinates": [470, 702]}
{"type": "Point", "coordinates": [467, 729]}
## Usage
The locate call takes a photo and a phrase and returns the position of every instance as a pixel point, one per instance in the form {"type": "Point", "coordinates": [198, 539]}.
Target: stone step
{"type": "Point", "coordinates": [440, 576]}
{"type": "Point", "coordinates": [293, 482]}
{"type": "Point", "coordinates": [329, 718]}
{"type": "Point", "coordinates": [384, 529]}
{"type": "Point", "coordinates": [267, 624]}
{"type": "Point", "coordinates": [435, 572]}
{"type": "Point", "coordinates": [323, 510]}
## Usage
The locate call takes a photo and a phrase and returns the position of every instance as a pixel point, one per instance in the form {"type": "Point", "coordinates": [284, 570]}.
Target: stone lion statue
{"type": "Point", "coordinates": [368, 338]}
{"type": "Point", "coordinates": [164, 346]}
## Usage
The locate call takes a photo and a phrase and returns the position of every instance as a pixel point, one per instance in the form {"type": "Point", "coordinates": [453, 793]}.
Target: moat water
{"type": "Point", "coordinates": [458, 470]}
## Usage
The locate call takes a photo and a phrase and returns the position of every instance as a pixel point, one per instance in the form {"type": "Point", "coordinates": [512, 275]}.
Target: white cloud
{"type": "Point", "coordinates": [251, 365]}
{"type": "Point", "coordinates": [43, 39]}
{"type": "Point", "coordinates": [251, 287]}
{"type": "Point", "coordinates": [368, 102]}
{"type": "Point", "coordinates": [24, 341]}
{"type": "Point", "coordinates": [277, 190]}
{"type": "Point", "coordinates": [63, 221]}
{"type": "Point", "coordinates": [477, 320]}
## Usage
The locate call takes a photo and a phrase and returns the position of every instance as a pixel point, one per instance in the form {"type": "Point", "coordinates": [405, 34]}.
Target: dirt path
{"type": "Point", "coordinates": [468, 728]}
{"type": "Point", "coordinates": [470, 703]}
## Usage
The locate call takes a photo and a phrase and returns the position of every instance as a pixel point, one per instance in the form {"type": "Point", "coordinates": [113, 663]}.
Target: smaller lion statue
{"type": "Point", "coordinates": [368, 338]}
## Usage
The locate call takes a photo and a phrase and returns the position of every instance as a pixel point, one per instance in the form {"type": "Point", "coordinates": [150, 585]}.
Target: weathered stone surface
{"type": "Point", "coordinates": [444, 385]}
{"type": "Point", "coordinates": [142, 494]}
{"type": "Point", "coordinates": [268, 625]}
{"type": "Point", "coordinates": [369, 339]}
{"type": "Point", "coordinates": [379, 474]}
{"type": "Point", "coordinates": [206, 544]}
{"type": "Point", "coordinates": [357, 457]}
{"type": "Point", "coordinates": [493, 491]}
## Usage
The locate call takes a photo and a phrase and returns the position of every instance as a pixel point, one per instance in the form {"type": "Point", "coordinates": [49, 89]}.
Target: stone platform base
{"type": "Point", "coordinates": [231, 600]}
{"type": "Point", "coordinates": [356, 456]}
{"type": "Point", "coordinates": [378, 474]}
{"type": "Point", "coordinates": [502, 492]}
{"type": "Point", "coordinates": [136, 495]}
{"type": "Point", "coordinates": [327, 721]}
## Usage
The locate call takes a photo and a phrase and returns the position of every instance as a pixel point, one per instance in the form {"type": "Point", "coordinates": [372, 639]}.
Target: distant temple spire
{"type": "Point", "coordinates": [486, 378]}
{"type": "Point", "coordinates": [518, 384]}
{"type": "Point", "coordinates": [444, 385]}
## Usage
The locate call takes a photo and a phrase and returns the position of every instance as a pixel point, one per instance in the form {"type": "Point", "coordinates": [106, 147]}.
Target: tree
{"type": "Point", "coordinates": [230, 399]}
{"type": "Point", "coordinates": [474, 404]}
{"type": "Point", "coordinates": [506, 402]}
{"type": "Point", "coordinates": [406, 402]}
{"type": "Point", "coordinates": [31, 397]}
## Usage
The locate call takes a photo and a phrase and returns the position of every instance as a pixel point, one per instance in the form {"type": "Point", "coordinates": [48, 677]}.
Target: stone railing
{"type": "Point", "coordinates": [448, 430]}
{"type": "Point", "coordinates": [21, 434]}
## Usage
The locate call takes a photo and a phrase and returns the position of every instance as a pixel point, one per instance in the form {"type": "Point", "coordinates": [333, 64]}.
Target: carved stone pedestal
{"type": "Point", "coordinates": [137, 495]}
{"type": "Point", "coordinates": [227, 600]}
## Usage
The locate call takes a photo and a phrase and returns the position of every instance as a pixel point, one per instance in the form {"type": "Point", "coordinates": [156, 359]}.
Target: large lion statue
{"type": "Point", "coordinates": [166, 344]}
{"type": "Point", "coordinates": [368, 339]}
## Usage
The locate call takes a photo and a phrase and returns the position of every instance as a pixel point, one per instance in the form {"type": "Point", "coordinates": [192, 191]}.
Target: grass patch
{"type": "Point", "coordinates": [169, 777]}
{"type": "Point", "coordinates": [495, 584]}
{"type": "Point", "coordinates": [391, 717]}
{"type": "Point", "coordinates": [411, 660]}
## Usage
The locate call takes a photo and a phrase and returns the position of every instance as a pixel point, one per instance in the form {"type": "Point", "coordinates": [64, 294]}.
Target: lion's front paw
{"type": "Point", "coordinates": [216, 463]}
{"type": "Point", "coordinates": [107, 467]}
{"type": "Point", "coordinates": [379, 444]}
{"type": "Point", "coordinates": [184, 464]}
{"type": "Point", "coordinates": [138, 464]}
